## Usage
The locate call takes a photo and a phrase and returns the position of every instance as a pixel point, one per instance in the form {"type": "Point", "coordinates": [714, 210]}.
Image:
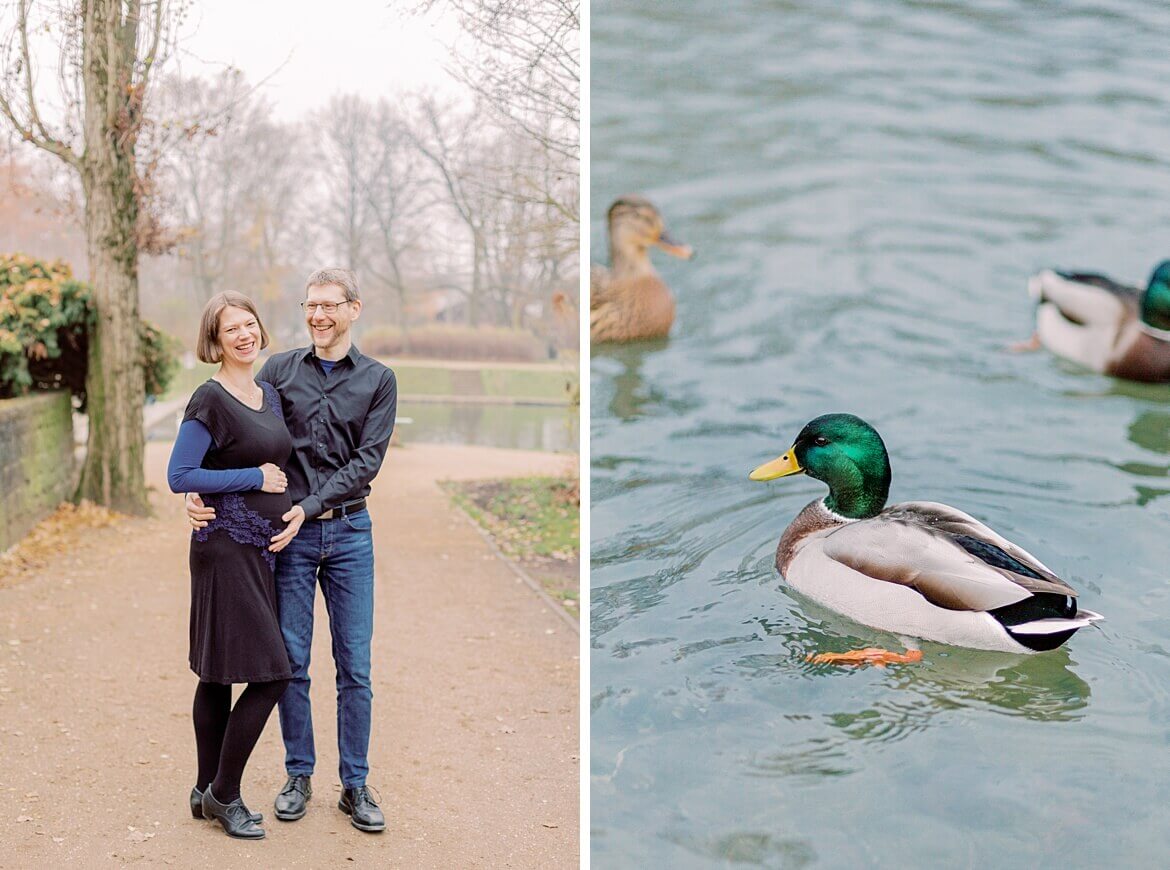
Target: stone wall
{"type": "Point", "coordinates": [36, 461]}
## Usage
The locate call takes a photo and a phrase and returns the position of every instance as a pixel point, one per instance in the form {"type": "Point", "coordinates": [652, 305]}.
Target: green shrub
{"type": "Point", "coordinates": [160, 357]}
{"type": "Point", "coordinates": [486, 343]}
{"type": "Point", "coordinates": [45, 317]}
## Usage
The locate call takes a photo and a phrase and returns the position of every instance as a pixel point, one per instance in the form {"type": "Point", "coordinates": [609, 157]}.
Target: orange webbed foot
{"type": "Point", "coordinates": [868, 656]}
{"type": "Point", "coordinates": [1027, 346]}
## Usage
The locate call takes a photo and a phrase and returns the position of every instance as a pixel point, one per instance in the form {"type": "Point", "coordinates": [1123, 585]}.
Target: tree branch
{"type": "Point", "coordinates": [33, 129]}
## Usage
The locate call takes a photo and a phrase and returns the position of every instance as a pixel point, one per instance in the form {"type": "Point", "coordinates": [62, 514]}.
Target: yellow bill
{"type": "Point", "coordinates": [781, 467]}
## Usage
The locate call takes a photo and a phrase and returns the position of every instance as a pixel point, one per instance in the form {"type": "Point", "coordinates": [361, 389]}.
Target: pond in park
{"type": "Point", "coordinates": [517, 426]}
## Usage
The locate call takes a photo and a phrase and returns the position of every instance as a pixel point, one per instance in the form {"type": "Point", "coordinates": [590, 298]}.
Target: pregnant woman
{"type": "Point", "coordinates": [230, 449]}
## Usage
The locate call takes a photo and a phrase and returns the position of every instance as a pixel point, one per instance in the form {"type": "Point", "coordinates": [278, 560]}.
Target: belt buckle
{"type": "Point", "coordinates": [340, 510]}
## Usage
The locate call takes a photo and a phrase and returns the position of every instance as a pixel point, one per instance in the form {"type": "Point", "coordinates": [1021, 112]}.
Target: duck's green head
{"type": "Point", "coordinates": [1156, 300]}
{"type": "Point", "coordinates": [846, 453]}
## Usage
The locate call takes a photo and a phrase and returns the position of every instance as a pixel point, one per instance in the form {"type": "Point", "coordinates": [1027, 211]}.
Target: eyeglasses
{"type": "Point", "coordinates": [326, 307]}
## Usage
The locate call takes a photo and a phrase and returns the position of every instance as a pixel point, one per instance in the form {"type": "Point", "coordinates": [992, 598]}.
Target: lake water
{"type": "Point", "coordinates": [869, 186]}
{"type": "Point", "coordinates": [519, 427]}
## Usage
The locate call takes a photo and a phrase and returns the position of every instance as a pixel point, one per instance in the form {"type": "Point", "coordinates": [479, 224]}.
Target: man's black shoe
{"type": "Point", "coordinates": [290, 803]}
{"type": "Point", "coordinates": [363, 812]}
{"type": "Point", "coordinates": [235, 818]}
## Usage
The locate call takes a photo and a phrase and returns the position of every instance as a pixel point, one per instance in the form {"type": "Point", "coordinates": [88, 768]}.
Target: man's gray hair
{"type": "Point", "coordinates": [343, 278]}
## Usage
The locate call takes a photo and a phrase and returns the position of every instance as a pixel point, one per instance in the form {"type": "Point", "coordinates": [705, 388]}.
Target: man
{"type": "Point", "coordinates": [339, 406]}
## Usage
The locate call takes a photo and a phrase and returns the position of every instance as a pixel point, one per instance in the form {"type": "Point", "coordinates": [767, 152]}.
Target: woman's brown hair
{"type": "Point", "coordinates": [207, 345]}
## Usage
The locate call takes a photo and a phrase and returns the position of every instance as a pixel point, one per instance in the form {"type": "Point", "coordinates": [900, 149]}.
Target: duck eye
{"type": "Point", "coordinates": [820, 441]}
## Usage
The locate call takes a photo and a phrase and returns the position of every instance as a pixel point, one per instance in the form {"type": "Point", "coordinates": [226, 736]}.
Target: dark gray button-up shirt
{"type": "Point", "coordinates": [340, 424]}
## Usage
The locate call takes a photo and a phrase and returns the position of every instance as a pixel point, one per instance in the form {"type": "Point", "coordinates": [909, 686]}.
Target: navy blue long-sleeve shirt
{"type": "Point", "coordinates": [185, 475]}
{"type": "Point", "coordinates": [340, 422]}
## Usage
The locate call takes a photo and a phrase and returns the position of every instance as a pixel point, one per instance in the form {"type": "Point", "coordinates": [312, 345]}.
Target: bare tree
{"type": "Point", "coordinates": [201, 175]}
{"type": "Point", "coordinates": [522, 60]}
{"type": "Point", "coordinates": [525, 61]}
{"type": "Point", "coordinates": [452, 144]}
{"type": "Point", "coordinates": [398, 202]}
{"type": "Point", "coordinates": [108, 50]}
{"type": "Point", "coordinates": [233, 185]}
{"type": "Point", "coordinates": [343, 132]}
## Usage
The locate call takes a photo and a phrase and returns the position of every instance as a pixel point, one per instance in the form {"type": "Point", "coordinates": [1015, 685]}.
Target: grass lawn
{"type": "Point", "coordinates": [536, 522]}
{"type": "Point", "coordinates": [528, 383]}
{"type": "Point", "coordinates": [501, 381]}
{"type": "Point", "coordinates": [423, 381]}
{"type": "Point", "coordinates": [186, 380]}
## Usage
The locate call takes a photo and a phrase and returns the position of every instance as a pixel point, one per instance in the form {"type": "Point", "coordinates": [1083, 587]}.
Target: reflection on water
{"type": "Point", "coordinates": [751, 848]}
{"type": "Point", "coordinates": [871, 185]}
{"type": "Point", "coordinates": [1150, 431]}
{"type": "Point", "coordinates": [629, 398]}
{"type": "Point", "coordinates": [1041, 687]}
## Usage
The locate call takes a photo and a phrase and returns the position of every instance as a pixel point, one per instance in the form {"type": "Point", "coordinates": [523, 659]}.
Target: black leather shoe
{"type": "Point", "coordinates": [197, 807]}
{"type": "Point", "coordinates": [235, 818]}
{"type": "Point", "coordinates": [363, 812]}
{"type": "Point", "coordinates": [292, 800]}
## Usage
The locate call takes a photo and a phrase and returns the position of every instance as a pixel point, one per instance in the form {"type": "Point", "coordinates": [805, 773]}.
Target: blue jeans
{"type": "Point", "coordinates": [338, 553]}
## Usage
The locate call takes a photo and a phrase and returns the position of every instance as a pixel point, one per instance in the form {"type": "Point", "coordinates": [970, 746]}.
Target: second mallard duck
{"type": "Point", "coordinates": [630, 301]}
{"type": "Point", "coordinates": [918, 568]}
{"type": "Point", "coordinates": [1108, 327]}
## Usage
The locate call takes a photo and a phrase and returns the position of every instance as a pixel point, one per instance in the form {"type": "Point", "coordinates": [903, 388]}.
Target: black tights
{"type": "Point", "coordinates": [225, 736]}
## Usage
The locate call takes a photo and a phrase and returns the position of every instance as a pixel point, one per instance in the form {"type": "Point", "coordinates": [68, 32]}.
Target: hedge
{"type": "Point", "coordinates": [45, 318]}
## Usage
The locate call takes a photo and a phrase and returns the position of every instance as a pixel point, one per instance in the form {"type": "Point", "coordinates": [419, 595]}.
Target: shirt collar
{"type": "Point", "coordinates": [353, 355]}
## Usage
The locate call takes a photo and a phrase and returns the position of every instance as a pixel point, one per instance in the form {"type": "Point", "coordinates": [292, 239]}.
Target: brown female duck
{"type": "Point", "coordinates": [629, 301]}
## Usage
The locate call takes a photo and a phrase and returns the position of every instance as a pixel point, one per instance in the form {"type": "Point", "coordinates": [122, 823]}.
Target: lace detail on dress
{"type": "Point", "coordinates": [273, 400]}
{"type": "Point", "coordinates": [243, 524]}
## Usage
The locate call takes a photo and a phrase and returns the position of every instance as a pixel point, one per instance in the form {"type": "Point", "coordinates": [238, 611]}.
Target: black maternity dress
{"type": "Point", "coordinates": [235, 631]}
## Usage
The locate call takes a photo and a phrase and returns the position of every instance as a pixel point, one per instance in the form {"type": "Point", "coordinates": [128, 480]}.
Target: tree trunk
{"type": "Point", "coordinates": [113, 470]}
{"type": "Point", "coordinates": [400, 288]}
{"type": "Point", "coordinates": [473, 300]}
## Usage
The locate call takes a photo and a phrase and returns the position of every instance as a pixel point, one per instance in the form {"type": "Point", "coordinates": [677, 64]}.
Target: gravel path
{"type": "Point", "coordinates": [475, 737]}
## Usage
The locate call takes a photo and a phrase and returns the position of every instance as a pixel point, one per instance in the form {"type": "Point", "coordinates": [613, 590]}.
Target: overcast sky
{"type": "Point", "coordinates": [309, 51]}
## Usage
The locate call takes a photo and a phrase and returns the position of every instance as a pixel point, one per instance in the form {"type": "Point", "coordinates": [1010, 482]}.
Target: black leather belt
{"type": "Point", "coordinates": [345, 510]}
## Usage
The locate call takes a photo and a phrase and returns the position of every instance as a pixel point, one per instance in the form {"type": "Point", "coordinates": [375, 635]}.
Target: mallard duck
{"type": "Point", "coordinates": [1108, 327]}
{"type": "Point", "coordinates": [918, 568]}
{"type": "Point", "coordinates": [630, 301]}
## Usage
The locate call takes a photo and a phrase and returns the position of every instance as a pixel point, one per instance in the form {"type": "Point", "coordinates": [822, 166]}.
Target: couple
{"type": "Point", "coordinates": [283, 463]}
